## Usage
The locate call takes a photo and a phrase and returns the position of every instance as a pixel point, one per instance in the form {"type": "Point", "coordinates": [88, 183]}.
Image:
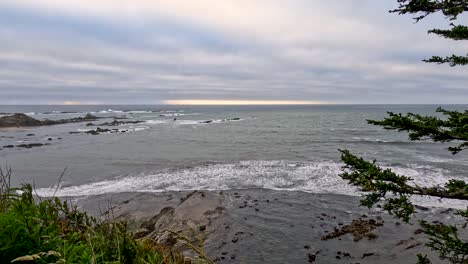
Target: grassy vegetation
{"type": "Point", "coordinates": [52, 231]}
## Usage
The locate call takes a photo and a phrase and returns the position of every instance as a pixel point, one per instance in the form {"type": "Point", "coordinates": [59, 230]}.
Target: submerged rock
{"type": "Point", "coordinates": [32, 145]}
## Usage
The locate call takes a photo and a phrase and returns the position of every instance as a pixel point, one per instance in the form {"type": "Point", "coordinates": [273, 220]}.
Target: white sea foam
{"type": "Point", "coordinates": [177, 114]}
{"type": "Point", "coordinates": [367, 139]}
{"type": "Point", "coordinates": [156, 122]}
{"type": "Point", "coordinates": [313, 177]}
{"type": "Point", "coordinates": [109, 111]}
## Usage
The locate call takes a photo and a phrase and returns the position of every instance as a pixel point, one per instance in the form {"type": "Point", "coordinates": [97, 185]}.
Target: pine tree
{"type": "Point", "coordinates": [393, 191]}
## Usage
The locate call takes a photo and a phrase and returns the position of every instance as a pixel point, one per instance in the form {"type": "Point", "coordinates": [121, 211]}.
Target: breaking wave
{"type": "Point", "coordinates": [313, 177]}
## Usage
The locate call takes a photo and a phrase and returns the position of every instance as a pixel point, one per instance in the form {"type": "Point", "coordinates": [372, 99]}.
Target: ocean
{"type": "Point", "coordinates": [289, 148]}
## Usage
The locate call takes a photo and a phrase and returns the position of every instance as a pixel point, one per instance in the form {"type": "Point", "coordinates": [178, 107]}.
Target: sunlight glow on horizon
{"type": "Point", "coordinates": [71, 103]}
{"type": "Point", "coordinates": [241, 102]}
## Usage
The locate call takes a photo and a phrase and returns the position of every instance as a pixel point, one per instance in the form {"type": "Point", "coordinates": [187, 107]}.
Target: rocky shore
{"type": "Point", "coordinates": [264, 226]}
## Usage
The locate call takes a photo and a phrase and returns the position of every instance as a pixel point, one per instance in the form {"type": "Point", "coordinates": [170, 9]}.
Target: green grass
{"type": "Point", "coordinates": [51, 231]}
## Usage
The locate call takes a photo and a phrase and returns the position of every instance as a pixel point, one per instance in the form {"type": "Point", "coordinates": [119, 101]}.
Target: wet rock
{"type": "Point", "coordinates": [358, 228]}
{"type": "Point", "coordinates": [370, 254]}
{"type": "Point", "coordinates": [32, 145]}
{"type": "Point", "coordinates": [8, 146]}
{"type": "Point", "coordinates": [206, 122]}
{"type": "Point", "coordinates": [311, 258]}
{"type": "Point", "coordinates": [98, 131]}
{"type": "Point", "coordinates": [447, 211]}
{"type": "Point", "coordinates": [119, 123]}
{"type": "Point", "coordinates": [422, 208]}
{"type": "Point", "coordinates": [409, 243]}
{"type": "Point", "coordinates": [30, 135]}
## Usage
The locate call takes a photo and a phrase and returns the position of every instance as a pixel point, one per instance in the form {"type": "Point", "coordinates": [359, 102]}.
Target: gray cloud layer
{"type": "Point", "coordinates": [330, 51]}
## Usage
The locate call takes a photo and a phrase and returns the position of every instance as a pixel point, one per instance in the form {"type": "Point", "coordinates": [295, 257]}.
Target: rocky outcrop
{"type": "Point", "coordinates": [19, 120]}
{"type": "Point", "coordinates": [119, 123]}
{"type": "Point", "coordinates": [193, 219]}
{"type": "Point", "coordinates": [23, 120]}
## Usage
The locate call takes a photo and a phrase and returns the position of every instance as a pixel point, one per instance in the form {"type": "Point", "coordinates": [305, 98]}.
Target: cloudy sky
{"type": "Point", "coordinates": [160, 51]}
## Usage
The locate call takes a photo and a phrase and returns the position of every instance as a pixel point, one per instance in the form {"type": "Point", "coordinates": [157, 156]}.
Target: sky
{"type": "Point", "coordinates": [226, 52]}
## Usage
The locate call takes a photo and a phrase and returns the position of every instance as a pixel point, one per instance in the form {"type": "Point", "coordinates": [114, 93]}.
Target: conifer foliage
{"type": "Point", "coordinates": [391, 191]}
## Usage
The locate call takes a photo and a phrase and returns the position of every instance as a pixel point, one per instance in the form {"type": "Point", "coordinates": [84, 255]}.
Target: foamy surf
{"type": "Point", "coordinates": [312, 177]}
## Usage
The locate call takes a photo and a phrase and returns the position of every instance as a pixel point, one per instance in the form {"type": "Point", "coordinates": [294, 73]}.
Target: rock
{"type": "Point", "coordinates": [365, 255]}
{"type": "Point", "coordinates": [23, 120]}
{"type": "Point", "coordinates": [206, 122]}
{"type": "Point", "coordinates": [118, 123]}
{"type": "Point", "coordinates": [311, 258]}
{"type": "Point", "coordinates": [8, 146]}
{"type": "Point", "coordinates": [422, 208]}
{"type": "Point", "coordinates": [98, 131]}
{"type": "Point", "coordinates": [19, 120]}
{"type": "Point", "coordinates": [89, 116]}
{"type": "Point", "coordinates": [32, 145]}
{"type": "Point", "coordinates": [194, 214]}
{"type": "Point", "coordinates": [358, 228]}
{"type": "Point", "coordinates": [409, 243]}
{"type": "Point", "coordinates": [90, 124]}
{"type": "Point", "coordinates": [30, 135]}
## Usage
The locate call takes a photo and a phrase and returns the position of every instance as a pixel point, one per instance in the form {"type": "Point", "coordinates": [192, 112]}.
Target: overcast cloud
{"type": "Point", "coordinates": [151, 51]}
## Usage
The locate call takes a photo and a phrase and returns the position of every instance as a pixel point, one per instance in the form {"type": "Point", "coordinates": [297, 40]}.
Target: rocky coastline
{"type": "Point", "coordinates": [265, 226]}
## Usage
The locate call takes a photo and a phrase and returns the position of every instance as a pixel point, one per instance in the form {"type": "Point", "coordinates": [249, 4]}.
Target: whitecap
{"type": "Point", "coordinates": [312, 177]}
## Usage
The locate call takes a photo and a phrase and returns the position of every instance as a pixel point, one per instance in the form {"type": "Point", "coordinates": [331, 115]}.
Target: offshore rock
{"type": "Point", "coordinates": [23, 120]}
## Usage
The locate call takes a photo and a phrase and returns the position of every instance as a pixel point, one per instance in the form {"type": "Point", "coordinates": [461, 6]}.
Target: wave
{"type": "Point", "coordinates": [312, 177]}
{"type": "Point", "coordinates": [190, 122]}
{"type": "Point", "coordinates": [156, 122]}
{"type": "Point", "coordinates": [378, 140]}
{"type": "Point", "coordinates": [108, 111]}
{"type": "Point", "coordinates": [130, 129]}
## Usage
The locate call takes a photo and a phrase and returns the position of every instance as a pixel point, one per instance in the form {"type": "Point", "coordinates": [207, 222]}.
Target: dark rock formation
{"type": "Point", "coordinates": [18, 120]}
{"type": "Point", "coordinates": [358, 228]}
{"type": "Point", "coordinates": [32, 145]}
{"type": "Point", "coordinates": [23, 120]}
{"type": "Point", "coordinates": [118, 123]}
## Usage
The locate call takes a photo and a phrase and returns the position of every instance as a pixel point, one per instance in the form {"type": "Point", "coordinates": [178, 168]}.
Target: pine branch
{"type": "Point", "coordinates": [453, 128]}
{"type": "Point", "coordinates": [457, 32]}
{"type": "Point", "coordinates": [380, 182]}
{"type": "Point", "coordinates": [422, 8]}
{"type": "Point", "coordinates": [453, 60]}
{"type": "Point", "coordinates": [444, 239]}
